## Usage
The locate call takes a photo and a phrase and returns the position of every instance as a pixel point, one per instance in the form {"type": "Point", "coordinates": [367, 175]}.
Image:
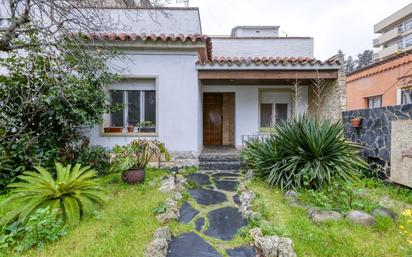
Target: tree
{"type": "Point", "coordinates": [364, 59]}
{"type": "Point", "coordinates": [350, 65]}
{"type": "Point", "coordinates": [51, 19]}
{"type": "Point", "coordinates": [46, 101]}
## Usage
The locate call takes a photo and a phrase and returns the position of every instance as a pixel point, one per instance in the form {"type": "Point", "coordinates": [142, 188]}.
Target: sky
{"type": "Point", "coordinates": [334, 24]}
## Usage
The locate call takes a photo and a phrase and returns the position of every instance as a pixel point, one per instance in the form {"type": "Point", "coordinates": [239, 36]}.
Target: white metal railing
{"type": "Point", "coordinates": [259, 136]}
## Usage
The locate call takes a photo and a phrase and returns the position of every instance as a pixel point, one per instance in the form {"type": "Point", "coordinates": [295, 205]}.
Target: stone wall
{"type": "Point", "coordinates": [374, 135]}
{"type": "Point", "coordinates": [334, 99]}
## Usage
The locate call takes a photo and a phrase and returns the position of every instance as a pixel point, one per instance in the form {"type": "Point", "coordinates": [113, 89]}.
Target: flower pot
{"type": "Point", "coordinates": [356, 122]}
{"type": "Point", "coordinates": [134, 176]}
{"type": "Point", "coordinates": [115, 130]}
{"type": "Point", "coordinates": [130, 129]}
{"type": "Point", "coordinates": [106, 130]}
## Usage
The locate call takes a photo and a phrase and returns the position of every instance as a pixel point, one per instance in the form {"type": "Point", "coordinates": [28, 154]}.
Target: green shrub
{"type": "Point", "coordinates": [137, 154]}
{"type": "Point", "coordinates": [96, 157]}
{"type": "Point", "coordinates": [341, 197]}
{"type": "Point", "coordinates": [43, 226]}
{"type": "Point", "coordinates": [74, 192]}
{"type": "Point", "coordinates": [304, 153]}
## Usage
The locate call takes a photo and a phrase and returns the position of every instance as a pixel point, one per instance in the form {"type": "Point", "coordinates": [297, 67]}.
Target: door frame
{"type": "Point", "coordinates": [228, 119]}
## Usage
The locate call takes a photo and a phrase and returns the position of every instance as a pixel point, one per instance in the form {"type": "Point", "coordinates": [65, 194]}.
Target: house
{"type": "Point", "coordinates": [190, 90]}
{"type": "Point", "coordinates": [387, 81]}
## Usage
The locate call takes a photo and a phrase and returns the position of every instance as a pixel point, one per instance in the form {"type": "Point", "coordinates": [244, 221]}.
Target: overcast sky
{"type": "Point", "coordinates": [335, 24]}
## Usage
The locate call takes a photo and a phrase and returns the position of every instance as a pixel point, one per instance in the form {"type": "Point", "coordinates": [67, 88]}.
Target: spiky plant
{"type": "Point", "coordinates": [304, 153]}
{"type": "Point", "coordinates": [74, 192]}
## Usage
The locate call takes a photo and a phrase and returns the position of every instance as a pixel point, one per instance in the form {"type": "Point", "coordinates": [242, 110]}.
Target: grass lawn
{"type": "Point", "coordinates": [332, 239]}
{"type": "Point", "coordinates": [122, 228]}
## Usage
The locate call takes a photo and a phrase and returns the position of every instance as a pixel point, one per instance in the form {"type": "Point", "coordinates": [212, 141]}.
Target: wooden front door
{"type": "Point", "coordinates": [212, 118]}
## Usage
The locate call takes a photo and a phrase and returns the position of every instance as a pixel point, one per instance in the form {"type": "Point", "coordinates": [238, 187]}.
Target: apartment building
{"type": "Point", "coordinates": [388, 81]}
{"type": "Point", "coordinates": [396, 33]}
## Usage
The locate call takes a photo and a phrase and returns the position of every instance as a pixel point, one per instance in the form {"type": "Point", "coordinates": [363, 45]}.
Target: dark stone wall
{"type": "Point", "coordinates": [374, 135]}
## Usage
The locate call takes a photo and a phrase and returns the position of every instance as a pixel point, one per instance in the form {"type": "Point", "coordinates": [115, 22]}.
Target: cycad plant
{"type": "Point", "coordinates": [304, 153]}
{"type": "Point", "coordinates": [73, 192]}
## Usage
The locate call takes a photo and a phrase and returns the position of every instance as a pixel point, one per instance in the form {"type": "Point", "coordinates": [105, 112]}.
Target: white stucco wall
{"type": "Point", "coordinates": [258, 47]}
{"type": "Point", "coordinates": [178, 98]}
{"type": "Point", "coordinates": [168, 21]}
{"type": "Point", "coordinates": [247, 100]}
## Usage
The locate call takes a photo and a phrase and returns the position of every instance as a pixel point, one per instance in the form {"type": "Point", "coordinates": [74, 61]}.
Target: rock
{"type": "Point", "coordinates": [190, 245]}
{"type": "Point", "coordinates": [360, 217]}
{"type": "Point", "coordinates": [291, 194]}
{"type": "Point", "coordinates": [236, 199]}
{"type": "Point", "coordinates": [181, 180]}
{"type": "Point", "coordinates": [272, 246]}
{"type": "Point", "coordinates": [172, 212]}
{"type": "Point", "coordinates": [207, 197]}
{"type": "Point", "coordinates": [227, 185]}
{"type": "Point", "coordinates": [320, 216]}
{"type": "Point", "coordinates": [168, 185]}
{"type": "Point", "coordinates": [242, 252]}
{"type": "Point", "coordinates": [187, 213]}
{"type": "Point", "coordinates": [224, 223]}
{"type": "Point", "coordinates": [249, 175]}
{"type": "Point", "coordinates": [163, 233]}
{"type": "Point", "coordinates": [157, 248]}
{"type": "Point", "coordinates": [385, 212]}
{"type": "Point", "coordinates": [246, 199]}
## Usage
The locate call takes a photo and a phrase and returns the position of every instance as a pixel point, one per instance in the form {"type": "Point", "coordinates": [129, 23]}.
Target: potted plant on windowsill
{"type": "Point", "coordinates": [356, 122]}
{"type": "Point", "coordinates": [146, 126]}
{"type": "Point", "coordinates": [130, 128]}
{"type": "Point", "coordinates": [113, 130]}
{"type": "Point", "coordinates": [132, 159]}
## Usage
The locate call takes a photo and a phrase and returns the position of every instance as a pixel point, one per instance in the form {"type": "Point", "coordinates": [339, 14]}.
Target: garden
{"type": "Point", "coordinates": [303, 185]}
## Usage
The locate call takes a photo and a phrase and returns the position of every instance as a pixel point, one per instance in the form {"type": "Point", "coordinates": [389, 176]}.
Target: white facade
{"type": "Point", "coordinates": [258, 47]}
{"type": "Point", "coordinates": [178, 98]}
{"type": "Point", "coordinates": [171, 68]}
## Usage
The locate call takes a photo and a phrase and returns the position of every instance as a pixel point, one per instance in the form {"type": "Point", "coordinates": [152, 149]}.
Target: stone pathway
{"type": "Point", "coordinates": [213, 212]}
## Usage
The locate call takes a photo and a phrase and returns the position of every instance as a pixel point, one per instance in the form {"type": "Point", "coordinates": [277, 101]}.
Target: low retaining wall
{"type": "Point", "coordinates": [374, 134]}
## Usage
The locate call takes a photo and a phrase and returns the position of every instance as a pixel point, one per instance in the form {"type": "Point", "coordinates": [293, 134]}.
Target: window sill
{"type": "Point", "coordinates": [125, 134]}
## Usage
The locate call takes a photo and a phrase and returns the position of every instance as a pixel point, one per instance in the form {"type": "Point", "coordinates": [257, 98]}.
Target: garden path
{"type": "Point", "coordinates": [213, 213]}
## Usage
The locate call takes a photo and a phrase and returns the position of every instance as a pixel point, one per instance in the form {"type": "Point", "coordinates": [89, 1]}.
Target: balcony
{"type": "Point", "coordinates": [387, 36]}
{"type": "Point", "coordinates": [385, 52]}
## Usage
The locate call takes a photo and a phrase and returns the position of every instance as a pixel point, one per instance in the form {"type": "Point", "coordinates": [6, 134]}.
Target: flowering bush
{"type": "Point", "coordinates": [407, 229]}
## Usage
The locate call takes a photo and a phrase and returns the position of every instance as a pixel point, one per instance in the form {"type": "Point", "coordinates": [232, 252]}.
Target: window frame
{"type": "Point", "coordinates": [374, 98]}
{"type": "Point", "coordinates": [134, 80]}
{"type": "Point", "coordinates": [402, 95]}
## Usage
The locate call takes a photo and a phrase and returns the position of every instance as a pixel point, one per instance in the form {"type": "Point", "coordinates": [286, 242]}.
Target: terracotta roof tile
{"type": "Point", "coordinates": [153, 37]}
{"type": "Point", "coordinates": [267, 61]}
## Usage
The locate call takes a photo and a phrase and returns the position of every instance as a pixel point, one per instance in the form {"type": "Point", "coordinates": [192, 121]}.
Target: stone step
{"type": "Point", "coordinates": [223, 166]}
{"type": "Point", "coordinates": [219, 158]}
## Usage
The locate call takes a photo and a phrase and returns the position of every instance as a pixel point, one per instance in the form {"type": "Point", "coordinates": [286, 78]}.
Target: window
{"type": "Point", "coordinates": [281, 112]}
{"type": "Point", "coordinates": [139, 109]}
{"type": "Point", "coordinates": [408, 25]}
{"type": "Point", "coordinates": [272, 113]}
{"type": "Point", "coordinates": [375, 102]}
{"type": "Point", "coordinates": [407, 96]}
{"type": "Point", "coordinates": [266, 114]}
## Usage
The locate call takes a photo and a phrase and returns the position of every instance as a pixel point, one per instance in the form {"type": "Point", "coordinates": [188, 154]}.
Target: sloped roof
{"type": "Point", "coordinates": [267, 61]}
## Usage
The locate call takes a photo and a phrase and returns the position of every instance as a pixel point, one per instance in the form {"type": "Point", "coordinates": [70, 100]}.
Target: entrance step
{"type": "Point", "coordinates": [220, 165]}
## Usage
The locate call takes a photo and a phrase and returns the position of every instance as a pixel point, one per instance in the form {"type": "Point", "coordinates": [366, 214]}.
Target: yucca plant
{"type": "Point", "coordinates": [304, 153]}
{"type": "Point", "coordinates": [73, 192]}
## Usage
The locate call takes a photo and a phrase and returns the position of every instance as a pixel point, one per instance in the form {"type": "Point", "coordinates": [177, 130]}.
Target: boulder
{"type": "Point", "coordinates": [168, 185]}
{"type": "Point", "coordinates": [273, 246]}
{"type": "Point", "coordinates": [249, 175]}
{"type": "Point", "coordinates": [163, 233]}
{"type": "Point", "coordinates": [291, 194]}
{"type": "Point", "coordinates": [157, 248]}
{"type": "Point", "coordinates": [320, 216]}
{"type": "Point", "coordinates": [361, 217]}
{"type": "Point", "coordinates": [385, 212]}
